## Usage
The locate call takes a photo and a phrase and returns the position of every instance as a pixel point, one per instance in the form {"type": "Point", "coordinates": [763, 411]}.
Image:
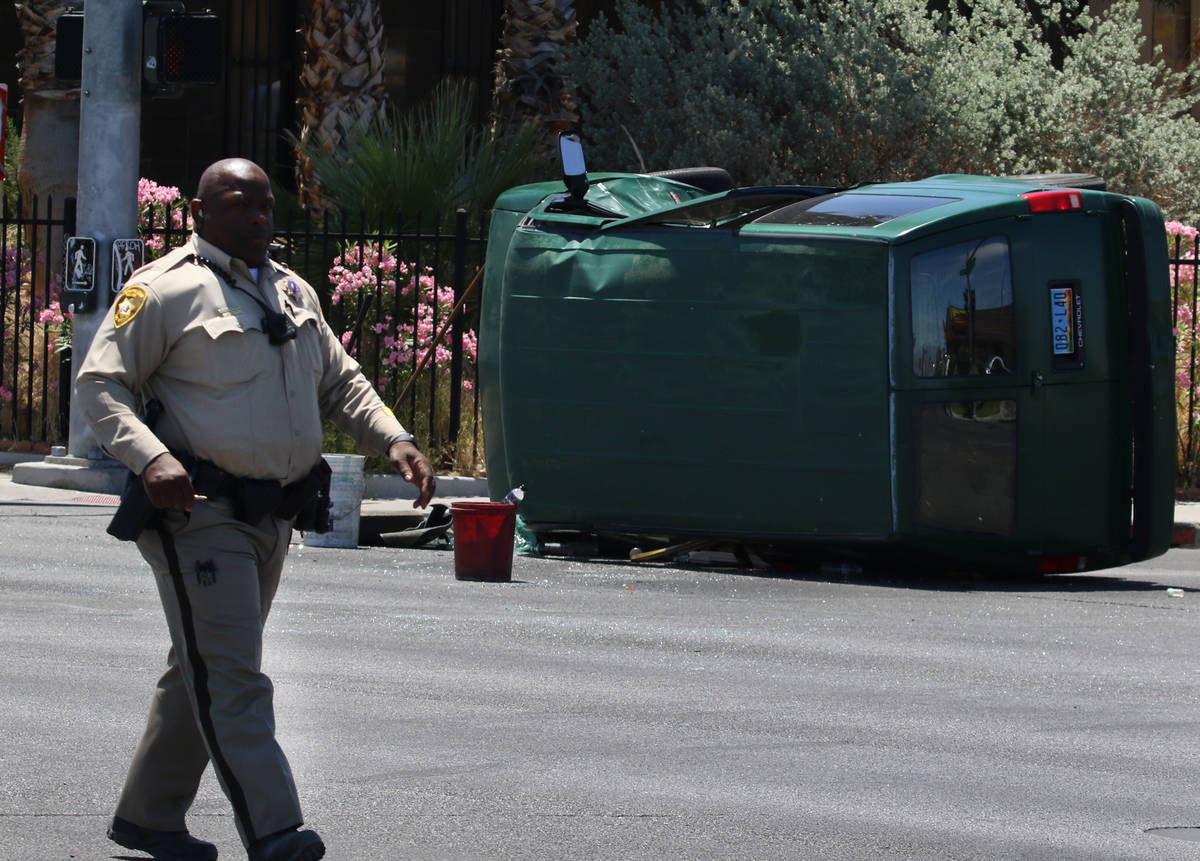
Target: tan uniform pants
{"type": "Point", "coordinates": [216, 578]}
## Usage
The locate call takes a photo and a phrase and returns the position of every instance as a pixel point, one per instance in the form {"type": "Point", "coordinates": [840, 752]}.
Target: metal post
{"type": "Point", "coordinates": [456, 328]}
{"type": "Point", "coordinates": [110, 121]}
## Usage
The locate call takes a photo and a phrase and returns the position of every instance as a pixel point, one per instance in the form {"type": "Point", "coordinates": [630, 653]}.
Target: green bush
{"type": "Point", "coordinates": [847, 91]}
{"type": "Point", "coordinates": [430, 161]}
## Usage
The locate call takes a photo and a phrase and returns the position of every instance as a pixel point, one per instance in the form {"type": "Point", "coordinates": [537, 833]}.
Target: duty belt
{"type": "Point", "coordinates": [255, 498]}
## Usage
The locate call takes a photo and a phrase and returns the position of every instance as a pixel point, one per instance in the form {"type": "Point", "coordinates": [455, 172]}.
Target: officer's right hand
{"type": "Point", "coordinates": [167, 483]}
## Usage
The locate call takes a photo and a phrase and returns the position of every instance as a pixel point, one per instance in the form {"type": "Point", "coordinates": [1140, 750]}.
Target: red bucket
{"type": "Point", "coordinates": [483, 540]}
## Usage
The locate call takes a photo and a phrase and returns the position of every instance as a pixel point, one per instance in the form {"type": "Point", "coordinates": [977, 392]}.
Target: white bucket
{"type": "Point", "coordinates": [346, 494]}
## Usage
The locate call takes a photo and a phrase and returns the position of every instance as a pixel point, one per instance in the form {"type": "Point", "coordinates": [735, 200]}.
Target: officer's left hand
{"type": "Point", "coordinates": [407, 460]}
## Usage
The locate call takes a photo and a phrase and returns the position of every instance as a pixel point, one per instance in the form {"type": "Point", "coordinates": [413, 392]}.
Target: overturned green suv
{"type": "Point", "coordinates": [973, 368]}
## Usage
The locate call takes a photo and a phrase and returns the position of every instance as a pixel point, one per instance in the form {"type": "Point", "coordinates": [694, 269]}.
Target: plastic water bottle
{"type": "Point", "coordinates": [514, 496]}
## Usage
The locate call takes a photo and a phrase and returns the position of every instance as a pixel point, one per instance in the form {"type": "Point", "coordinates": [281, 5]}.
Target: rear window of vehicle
{"type": "Point", "coordinates": [846, 209]}
{"type": "Point", "coordinates": [962, 310]}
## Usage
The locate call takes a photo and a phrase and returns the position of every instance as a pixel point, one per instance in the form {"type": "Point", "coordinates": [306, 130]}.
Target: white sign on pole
{"type": "Point", "coordinates": [129, 255]}
{"type": "Point", "coordinates": [81, 264]}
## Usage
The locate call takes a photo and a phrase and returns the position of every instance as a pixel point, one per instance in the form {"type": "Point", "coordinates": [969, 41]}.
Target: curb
{"type": "Point", "coordinates": [12, 458]}
{"type": "Point", "coordinates": [1186, 536]}
{"type": "Point", "coordinates": [108, 476]}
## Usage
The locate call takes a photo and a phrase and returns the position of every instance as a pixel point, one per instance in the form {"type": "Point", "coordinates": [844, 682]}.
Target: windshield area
{"type": "Point", "coordinates": [851, 210]}
{"type": "Point", "coordinates": [737, 207]}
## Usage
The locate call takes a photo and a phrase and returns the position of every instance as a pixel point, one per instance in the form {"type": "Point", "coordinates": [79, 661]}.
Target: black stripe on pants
{"type": "Point", "coordinates": [200, 685]}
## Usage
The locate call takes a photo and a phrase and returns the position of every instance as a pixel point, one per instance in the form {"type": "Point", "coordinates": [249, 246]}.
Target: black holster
{"type": "Point", "coordinates": [135, 513]}
{"type": "Point", "coordinates": [310, 501]}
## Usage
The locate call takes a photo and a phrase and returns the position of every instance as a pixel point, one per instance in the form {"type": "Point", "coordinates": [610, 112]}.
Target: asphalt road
{"type": "Point", "coordinates": [603, 711]}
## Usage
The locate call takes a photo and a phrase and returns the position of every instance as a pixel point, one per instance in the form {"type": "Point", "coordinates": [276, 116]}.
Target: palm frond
{"type": "Point", "coordinates": [431, 160]}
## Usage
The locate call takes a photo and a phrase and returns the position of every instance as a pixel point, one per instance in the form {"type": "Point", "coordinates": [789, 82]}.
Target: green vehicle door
{"type": "Point", "coordinates": [1011, 399]}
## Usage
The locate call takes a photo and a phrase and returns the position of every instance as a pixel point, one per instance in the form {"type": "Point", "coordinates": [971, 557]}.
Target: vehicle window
{"type": "Point", "coordinates": [962, 310]}
{"type": "Point", "coordinates": [852, 210]}
{"type": "Point", "coordinates": [966, 465]}
{"type": "Point", "coordinates": [738, 206]}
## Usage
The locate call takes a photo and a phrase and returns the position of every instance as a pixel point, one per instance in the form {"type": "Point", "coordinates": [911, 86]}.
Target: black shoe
{"type": "Point", "coordinates": [161, 845]}
{"type": "Point", "coordinates": [290, 845]}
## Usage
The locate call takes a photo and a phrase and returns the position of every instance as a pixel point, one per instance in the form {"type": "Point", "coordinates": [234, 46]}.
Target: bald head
{"type": "Point", "coordinates": [234, 209]}
{"type": "Point", "coordinates": [229, 171]}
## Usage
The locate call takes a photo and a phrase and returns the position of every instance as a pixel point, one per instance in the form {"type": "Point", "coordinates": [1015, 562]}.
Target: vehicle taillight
{"type": "Point", "coordinates": [1066, 564]}
{"type": "Point", "coordinates": [1056, 200]}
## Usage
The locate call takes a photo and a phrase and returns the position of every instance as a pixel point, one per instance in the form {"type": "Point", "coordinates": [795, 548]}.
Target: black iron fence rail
{"type": "Point", "coordinates": [406, 282]}
{"type": "Point", "coordinates": [387, 321]}
{"type": "Point", "coordinates": [1185, 277]}
{"type": "Point", "coordinates": [34, 374]}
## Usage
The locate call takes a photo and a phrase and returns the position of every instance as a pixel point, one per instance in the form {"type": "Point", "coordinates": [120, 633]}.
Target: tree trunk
{"type": "Point", "coordinates": [341, 81]}
{"type": "Point", "coordinates": [530, 85]}
{"type": "Point", "coordinates": [49, 163]}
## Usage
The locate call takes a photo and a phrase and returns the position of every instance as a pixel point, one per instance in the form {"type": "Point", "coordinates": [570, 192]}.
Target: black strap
{"type": "Point", "coordinates": [278, 327]}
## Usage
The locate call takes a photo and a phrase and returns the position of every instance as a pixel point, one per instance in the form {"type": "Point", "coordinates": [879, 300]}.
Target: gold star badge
{"type": "Point", "coordinates": [129, 303]}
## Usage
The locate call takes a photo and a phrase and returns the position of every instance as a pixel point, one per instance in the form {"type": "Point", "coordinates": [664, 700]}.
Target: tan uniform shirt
{"type": "Point", "coordinates": [179, 333]}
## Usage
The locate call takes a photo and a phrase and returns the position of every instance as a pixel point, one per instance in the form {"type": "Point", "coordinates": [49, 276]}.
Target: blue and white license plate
{"type": "Point", "coordinates": [1062, 320]}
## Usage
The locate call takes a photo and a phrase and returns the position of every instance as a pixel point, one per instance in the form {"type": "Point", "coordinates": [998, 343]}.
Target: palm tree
{"type": "Point", "coordinates": [342, 82]}
{"type": "Point", "coordinates": [48, 161]}
{"type": "Point", "coordinates": [530, 84]}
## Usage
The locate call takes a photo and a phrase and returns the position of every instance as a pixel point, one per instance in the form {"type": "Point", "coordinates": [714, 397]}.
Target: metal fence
{"type": "Point", "coordinates": [35, 371]}
{"type": "Point", "coordinates": [405, 303]}
{"type": "Point", "coordinates": [1185, 268]}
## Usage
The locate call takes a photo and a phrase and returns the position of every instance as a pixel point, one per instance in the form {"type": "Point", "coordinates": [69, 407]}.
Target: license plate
{"type": "Point", "coordinates": [1062, 320]}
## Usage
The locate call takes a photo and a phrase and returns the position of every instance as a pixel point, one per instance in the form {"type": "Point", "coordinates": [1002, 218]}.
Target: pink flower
{"type": "Point", "coordinates": [150, 192]}
{"type": "Point", "coordinates": [1176, 228]}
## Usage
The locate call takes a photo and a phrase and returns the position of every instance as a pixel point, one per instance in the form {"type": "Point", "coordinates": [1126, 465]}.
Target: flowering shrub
{"type": "Point", "coordinates": [165, 199]}
{"type": "Point", "coordinates": [1182, 246]}
{"type": "Point", "coordinates": [388, 311]}
{"type": "Point", "coordinates": [58, 324]}
{"type": "Point", "coordinates": [34, 325]}
{"type": "Point", "coordinates": [368, 277]}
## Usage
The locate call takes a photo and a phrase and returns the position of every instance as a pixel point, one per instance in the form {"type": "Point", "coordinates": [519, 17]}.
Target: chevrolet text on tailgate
{"type": "Point", "coordinates": [977, 370]}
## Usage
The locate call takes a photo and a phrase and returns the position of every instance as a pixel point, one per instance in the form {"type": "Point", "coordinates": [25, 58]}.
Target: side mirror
{"type": "Point", "coordinates": [570, 149]}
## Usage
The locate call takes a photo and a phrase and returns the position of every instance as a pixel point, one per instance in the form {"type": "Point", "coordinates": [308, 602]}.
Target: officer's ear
{"type": "Point", "coordinates": [198, 215]}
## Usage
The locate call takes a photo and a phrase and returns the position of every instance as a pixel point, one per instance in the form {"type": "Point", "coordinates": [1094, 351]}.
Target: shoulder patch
{"type": "Point", "coordinates": [128, 304]}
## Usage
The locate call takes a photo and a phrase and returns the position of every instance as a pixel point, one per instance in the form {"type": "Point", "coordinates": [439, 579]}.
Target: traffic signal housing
{"type": "Point", "coordinates": [68, 46]}
{"type": "Point", "coordinates": [178, 46]}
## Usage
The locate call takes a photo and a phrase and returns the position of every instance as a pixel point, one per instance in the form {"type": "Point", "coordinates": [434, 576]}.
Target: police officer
{"type": "Point", "coordinates": [236, 350]}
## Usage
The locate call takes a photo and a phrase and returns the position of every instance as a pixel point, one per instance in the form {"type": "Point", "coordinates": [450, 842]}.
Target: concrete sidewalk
{"type": "Point", "coordinates": [57, 480]}
{"type": "Point", "coordinates": [387, 499]}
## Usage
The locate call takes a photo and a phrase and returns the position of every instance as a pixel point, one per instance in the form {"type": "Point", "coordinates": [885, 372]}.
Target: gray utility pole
{"type": "Point", "coordinates": [110, 124]}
